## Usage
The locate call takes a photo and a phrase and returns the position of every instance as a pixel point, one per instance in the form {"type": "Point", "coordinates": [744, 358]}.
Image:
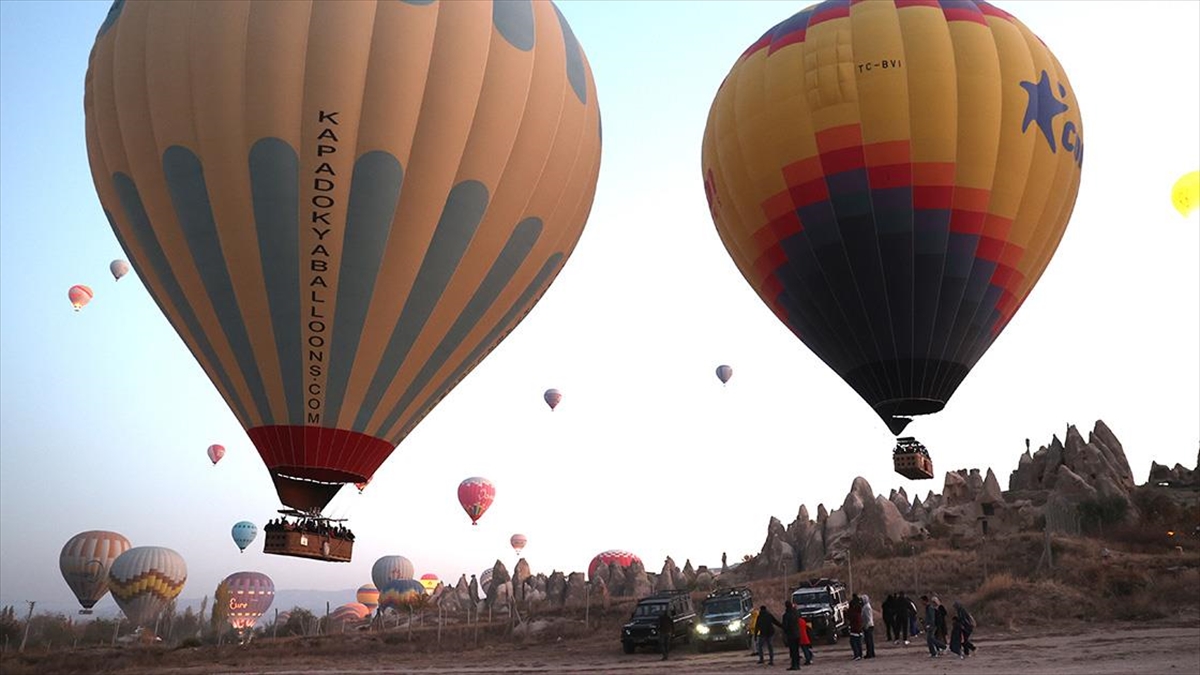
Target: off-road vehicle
{"type": "Point", "coordinates": [642, 629]}
{"type": "Point", "coordinates": [724, 618]}
{"type": "Point", "coordinates": [824, 603]}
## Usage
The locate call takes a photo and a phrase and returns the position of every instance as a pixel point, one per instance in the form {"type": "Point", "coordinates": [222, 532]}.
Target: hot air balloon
{"type": "Point", "coordinates": [144, 579]}
{"type": "Point", "coordinates": [1185, 194]}
{"type": "Point", "coordinates": [362, 486]}
{"type": "Point", "coordinates": [892, 179]}
{"type": "Point", "coordinates": [401, 594]}
{"type": "Point", "coordinates": [389, 568]}
{"type": "Point", "coordinates": [518, 542]}
{"type": "Point", "coordinates": [429, 582]}
{"type": "Point", "coordinates": [341, 207]}
{"type": "Point", "coordinates": [476, 495]}
{"type": "Point", "coordinates": [724, 373]}
{"type": "Point", "coordinates": [119, 268]}
{"type": "Point", "coordinates": [244, 533]}
{"type": "Point", "coordinates": [552, 397]}
{"type": "Point", "coordinates": [485, 580]}
{"type": "Point", "coordinates": [244, 597]}
{"type": "Point", "coordinates": [350, 613]}
{"type": "Point", "coordinates": [79, 295]}
{"type": "Point", "coordinates": [215, 453]}
{"type": "Point", "coordinates": [368, 595]}
{"type": "Point", "coordinates": [85, 561]}
{"type": "Point", "coordinates": [611, 556]}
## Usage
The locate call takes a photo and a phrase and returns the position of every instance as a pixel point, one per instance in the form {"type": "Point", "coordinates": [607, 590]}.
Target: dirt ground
{"type": "Point", "coordinates": [1082, 649]}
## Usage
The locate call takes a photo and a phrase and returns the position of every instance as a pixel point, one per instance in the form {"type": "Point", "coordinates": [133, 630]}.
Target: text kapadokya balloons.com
{"type": "Point", "coordinates": [341, 207]}
{"type": "Point", "coordinates": [79, 295]}
{"type": "Point", "coordinates": [144, 579]}
{"type": "Point", "coordinates": [892, 179]}
{"type": "Point", "coordinates": [244, 533]}
{"type": "Point", "coordinates": [243, 597]}
{"type": "Point", "coordinates": [476, 494]}
{"type": "Point", "coordinates": [1185, 194]}
{"type": "Point", "coordinates": [85, 561]}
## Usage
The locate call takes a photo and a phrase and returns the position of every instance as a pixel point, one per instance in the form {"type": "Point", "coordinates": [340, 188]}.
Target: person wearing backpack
{"type": "Point", "coordinates": [966, 625]}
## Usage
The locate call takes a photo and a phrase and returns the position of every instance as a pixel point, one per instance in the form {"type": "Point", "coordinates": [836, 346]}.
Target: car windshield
{"type": "Point", "coordinates": [649, 610]}
{"type": "Point", "coordinates": [812, 598]}
{"type": "Point", "coordinates": [726, 606]}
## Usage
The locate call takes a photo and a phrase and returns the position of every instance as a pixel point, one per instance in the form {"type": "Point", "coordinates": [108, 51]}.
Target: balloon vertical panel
{"type": "Point", "coordinates": [341, 207]}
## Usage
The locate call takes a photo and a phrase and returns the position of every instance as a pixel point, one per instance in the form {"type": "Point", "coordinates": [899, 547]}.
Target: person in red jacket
{"type": "Point", "coordinates": [854, 618]}
{"type": "Point", "coordinates": [805, 641]}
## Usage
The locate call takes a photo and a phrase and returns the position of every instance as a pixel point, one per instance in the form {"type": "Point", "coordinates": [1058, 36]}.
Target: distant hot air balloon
{"type": "Point", "coordinates": [485, 580]}
{"type": "Point", "coordinates": [518, 542]}
{"type": "Point", "coordinates": [244, 597]}
{"type": "Point", "coordinates": [389, 568]}
{"type": "Point", "coordinates": [362, 486]}
{"type": "Point", "coordinates": [144, 579]}
{"type": "Point", "coordinates": [79, 295]}
{"type": "Point", "coordinates": [1185, 194]}
{"type": "Point", "coordinates": [553, 397]}
{"type": "Point", "coordinates": [244, 533]}
{"type": "Point", "coordinates": [476, 495]}
{"type": "Point", "coordinates": [215, 453]}
{"type": "Point", "coordinates": [350, 613]}
{"type": "Point", "coordinates": [892, 179]}
{"type": "Point", "coordinates": [258, 194]}
{"type": "Point", "coordinates": [401, 594]}
{"type": "Point", "coordinates": [119, 268]}
{"type": "Point", "coordinates": [429, 582]}
{"type": "Point", "coordinates": [617, 556]}
{"type": "Point", "coordinates": [368, 595]}
{"type": "Point", "coordinates": [85, 561]}
{"type": "Point", "coordinates": [724, 373]}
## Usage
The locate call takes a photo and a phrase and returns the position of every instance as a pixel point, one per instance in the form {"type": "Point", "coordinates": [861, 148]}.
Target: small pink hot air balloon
{"type": "Point", "coordinates": [80, 295]}
{"type": "Point", "coordinates": [215, 453]}
{"type": "Point", "coordinates": [119, 268]}
{"type": "Point", "coordinates": [476, 495]}
{"type": "Point", "coordinates": [552, 396]}
{"type": "Point", "coordinates": [518, 542]}
{"type": "Point", "coordinates": [362, 486]}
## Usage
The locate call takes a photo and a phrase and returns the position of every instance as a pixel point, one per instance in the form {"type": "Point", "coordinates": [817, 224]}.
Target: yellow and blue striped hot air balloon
{"type": "Point", "coordinates": [892, 177]}
{"type": "Point", "coordinates": [144, 579]}
{"type": "Point", "coordinates": [341, 207]}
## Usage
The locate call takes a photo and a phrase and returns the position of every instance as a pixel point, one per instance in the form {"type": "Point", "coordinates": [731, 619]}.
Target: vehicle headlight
{"type": "Point", "coordinates": [735, 625]}
{"type": "Point", "coordinates": [702, 629]}
{"type": "Point", "coordinates": [654, 631]}
{"type": "Point", "coordinates": [627, 631]}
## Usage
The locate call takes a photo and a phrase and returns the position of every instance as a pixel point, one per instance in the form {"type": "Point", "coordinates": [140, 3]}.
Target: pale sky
{"type": "Point", "coordinates": [105, 415]}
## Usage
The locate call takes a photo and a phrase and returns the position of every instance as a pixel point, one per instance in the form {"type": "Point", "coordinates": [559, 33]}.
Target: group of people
{"type": "Point", "coordinates": [309, 526]}
{"type": "Point", "coordinates": [899, 616]}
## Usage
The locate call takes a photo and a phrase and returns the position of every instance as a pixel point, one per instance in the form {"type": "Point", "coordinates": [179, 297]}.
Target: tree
{"type": "Point", "coordinates": [10, 626]}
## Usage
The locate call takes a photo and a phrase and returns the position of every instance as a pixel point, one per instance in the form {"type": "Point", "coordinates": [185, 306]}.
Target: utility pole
{"type": "Point", "coordinates": [28, 620]}
{"type": "Point", "coordinates": [850, 571]}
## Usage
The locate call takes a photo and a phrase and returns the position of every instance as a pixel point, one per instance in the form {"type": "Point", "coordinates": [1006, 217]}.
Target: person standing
{"type": "Point", "coordinates": [754, 649]}
{"type": "Point", "coordinates": [868, 616]}
{"type": "Point", "coordinates": [766, 630]}
{"type": "Point", "coordinates": [665, 628]}
{"type": "Point", "coordinates": [940, 619]}
{"type": "Point", "coordinates": [791, 633]}
{"type": "Point", "coordinates": [854, 618]}
{"type": "Point", "coordinates": [966, 625]}
{"type": "Point", "coordinates": [805, 641]}
{"type": "Point", "coordinates": [889, 614]}
{"type": "Point", "coordinates": [931, 641]}
{"type": "Point", "coordinates": [911, 614]}
{"type": "Point", "coordinates": [904, 608]}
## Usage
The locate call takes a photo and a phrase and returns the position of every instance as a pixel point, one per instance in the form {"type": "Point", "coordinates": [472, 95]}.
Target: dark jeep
{"type": "Point", "coordinates": [642, 629]}
{"type": "Point", "coordinates": [725, 619]}
{"type": "Point", "coordinates": [824, 603]}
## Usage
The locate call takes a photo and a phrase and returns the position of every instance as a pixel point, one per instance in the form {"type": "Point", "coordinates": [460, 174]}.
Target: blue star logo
{"type": "Point", "coordinates": [1043, 107]}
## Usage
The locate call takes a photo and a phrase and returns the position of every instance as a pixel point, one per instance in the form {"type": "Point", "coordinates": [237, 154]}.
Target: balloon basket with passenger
{"type": "Point", "coordinates": [310, 535]}
{"type": "Point", "coordinates": [911, 459]}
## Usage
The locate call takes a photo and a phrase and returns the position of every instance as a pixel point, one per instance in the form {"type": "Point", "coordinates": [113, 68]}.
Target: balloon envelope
{"type": "Point", "coordinates": [244, 533]}
{"type": "Point", "coordinates": [144, 579]}
{"type": "Point", "coordinates": [350, 613]}
{"type": "Point", "coordinates": [611, 556]}
{"type": "Point", "coordinates": [341, 207]}
{"type": "Point", "coordinates": [429, 582]}
{"type": "Point", "coordinates": [246, 596]}
{"type": "Point", "coordinates": [401, 594]}
{"type": "Point", "coordinates": [119, 268]}
{"type": "Point", "coordinates": [724, 373]}
{"type": "Point", "coordinates": [518, 542]}
{"type": "Point", "coordinates": [79, 295]}
{"type": "Point", "coordinates": [892, 179]}
{"type": "Point", "coordinates": [85, 561]}
{"type": "Point", "coordinates": [476, 495]}
{"type": "Point", "coordinates": [1185, 194]}
{"type": "Point", "coordinates": [368, 595]}
{"type": "Point", "coordinates": [215, 453]}
{"type": "Point", "coordinates": [553, 397]}
{"type": "Point", "coordinates": [389, 568]}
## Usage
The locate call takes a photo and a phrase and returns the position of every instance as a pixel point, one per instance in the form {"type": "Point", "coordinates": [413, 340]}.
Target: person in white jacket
{"type": "Point", "coordinates": [868, 623]}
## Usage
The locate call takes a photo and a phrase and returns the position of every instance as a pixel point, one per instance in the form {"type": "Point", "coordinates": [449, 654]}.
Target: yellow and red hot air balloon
{"type": "Point", "coordinates": [144, 579]}
{"type": "Point", "coordinates": [368, 595]}
{"type": "Point", "coordinates": [350, 614]}
{"type": "Point", "coordinates": [215, 453]}
{"type": "Point", "coordinates": [476, 494]}
{"type": "Point", "coordinates": [892, 178]}
{"type": "Point", "coordinates": [85, 561]}
{"type": "Point", "coordinates": [79, 295]}
{"type": "Point", "coordinates": [429, 582]}
{"type": "Point", "coordinates": [341, 207]}
{"type": "Point", "coordinates": [1185, 194]}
